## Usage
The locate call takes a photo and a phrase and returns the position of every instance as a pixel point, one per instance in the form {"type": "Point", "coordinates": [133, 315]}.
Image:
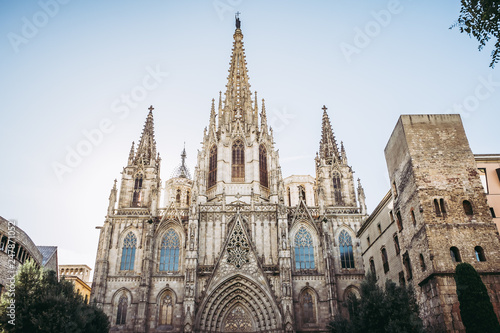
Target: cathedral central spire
{"type": "Point", "coordinates": [238, 103]}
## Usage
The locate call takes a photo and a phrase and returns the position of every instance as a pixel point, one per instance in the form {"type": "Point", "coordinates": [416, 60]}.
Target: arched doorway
{"type": "Point", "coordinates": [238, 304]}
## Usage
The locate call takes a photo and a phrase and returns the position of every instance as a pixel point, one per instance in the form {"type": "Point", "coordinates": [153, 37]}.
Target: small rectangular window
{"type": "Point", "coordinates": [407, 264]}
{"type": "Point", "coordinates": [368, 241]}
{"type": "Point", "coordinates": [484, 180]}
{"type": "Point", "coordinates": [402, 281]}
{"type": "Point", "coordinates": [399, 220]}
{"type": "Point", "coordinates": [492, 212]}
{"type": "Point", "coordinates": [396, 243]}
{"type": "Point", "coordinates": [379, 228]}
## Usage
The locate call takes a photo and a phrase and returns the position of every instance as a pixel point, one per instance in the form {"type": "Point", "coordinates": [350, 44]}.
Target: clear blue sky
{"type": "Point", "coordinates": [66, 69]}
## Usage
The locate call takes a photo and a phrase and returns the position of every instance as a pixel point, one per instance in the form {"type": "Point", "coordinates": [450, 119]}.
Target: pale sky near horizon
{"type": "Point", "coordinates": [69, 68]}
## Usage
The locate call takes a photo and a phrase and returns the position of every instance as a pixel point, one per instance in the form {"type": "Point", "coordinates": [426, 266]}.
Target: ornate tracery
{"type": "Point", "coordinates": [237, 247]}
{"type": "Point", "coordinates": [238, 320]}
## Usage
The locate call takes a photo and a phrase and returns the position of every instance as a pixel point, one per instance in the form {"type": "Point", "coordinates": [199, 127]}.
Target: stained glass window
{"type": "Point", "coordinates": [169, 255]}
{"type": "Point", "coordinates": [304, 250]}
{"type": "Point", "coordinates": [346, 252]}
{"type": "Point", "coordinates": [128, 252]}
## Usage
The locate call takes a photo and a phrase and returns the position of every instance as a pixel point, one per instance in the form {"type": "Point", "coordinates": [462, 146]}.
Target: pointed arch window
{"type": "Point", "coordinates": [308, 308]}
{"type": "Point", "coordinates": [169, 253]}
{"type": "Point", "coordinates": [128, 252]}
{"type": "Point", "coordinates": [337, 189]}
{"type": "Point", "coordinates": [238, 167]}
{"type": "Point", "coordinates": [137, 196]}
{"type": "Point", "coordinates": [304, 250]}
{"type": "Point", "coordinates": [188, 198]}
{"type": "Point", "coordinates": [212, 167]}
{"type": "Point", "coordinates": [346, 251]}
{"type": "Point", "coordinates": [263, 166]}
{"type": "Point", "coordinates": [121, 313]}
{"type": "Point", "coordinates": [289, 196]}
{"type": "Point", "coordinates": [166, 309]}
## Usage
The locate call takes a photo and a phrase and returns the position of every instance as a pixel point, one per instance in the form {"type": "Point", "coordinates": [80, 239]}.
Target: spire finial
{"type": "Point", "coordinates": [183, 154]}
{"type": "Point", "coordinates": [328, 148]}
{"type": "Point", "coordinates": [146, 150]}
{"type": "Point", "coordinates": [131, 154]}
{"type": "Point", "coordinates": [263, 118]}
{"type": "Point", "coordinates": [238, 22]}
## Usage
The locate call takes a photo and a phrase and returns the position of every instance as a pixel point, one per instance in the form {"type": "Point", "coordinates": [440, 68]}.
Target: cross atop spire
{"type": "Point", "coordinates": [238, 22]}
{"type": "Point", "coordinates": [151, 108]}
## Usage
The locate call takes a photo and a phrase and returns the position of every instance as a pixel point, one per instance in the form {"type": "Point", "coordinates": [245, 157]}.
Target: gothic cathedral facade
{"type": "Point", "coordinates": [235, 248]}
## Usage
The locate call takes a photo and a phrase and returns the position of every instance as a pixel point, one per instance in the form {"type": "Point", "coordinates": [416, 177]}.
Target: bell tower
{"type": "Point", "coordinates": [334, 176]}
{"type": "Point", "coordinates": [141, 177]}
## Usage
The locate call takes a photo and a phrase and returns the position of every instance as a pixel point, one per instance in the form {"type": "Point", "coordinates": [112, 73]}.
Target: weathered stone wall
{"type": "Point", "coordinates": [433, 171]}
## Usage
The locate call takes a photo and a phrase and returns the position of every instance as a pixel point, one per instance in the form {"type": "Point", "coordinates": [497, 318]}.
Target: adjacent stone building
{"type": "Point", "coordinates": [236, 248]}
{"type": "Point", "coordinates": [435, 216]}
{"type": "Point", "coordinates": [79, 275]}
{"type": "Point", "coordinates": [16, 247]}
{"type": "Point", "coordinates": [489, 172]}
